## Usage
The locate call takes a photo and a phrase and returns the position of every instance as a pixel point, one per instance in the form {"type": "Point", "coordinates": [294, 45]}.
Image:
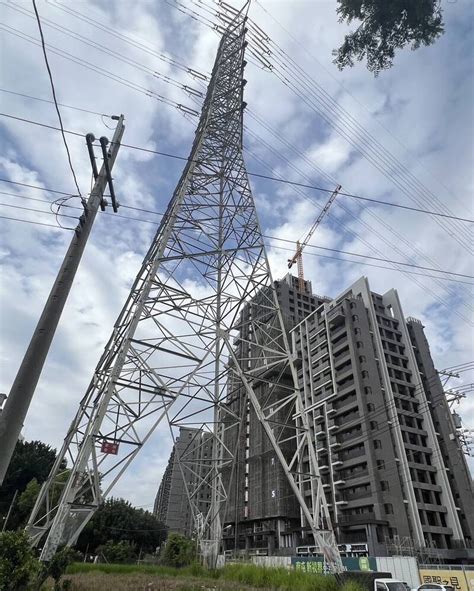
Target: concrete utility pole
{"type": "Point", "coordinates": [16, 405]}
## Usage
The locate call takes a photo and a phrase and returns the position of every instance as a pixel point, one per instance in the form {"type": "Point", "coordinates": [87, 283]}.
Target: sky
{"type": "Point", "coordinates": [404, 137]}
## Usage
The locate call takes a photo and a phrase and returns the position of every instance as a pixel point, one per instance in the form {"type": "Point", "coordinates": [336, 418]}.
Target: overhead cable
{"type": "Point", "coordinates": [53, 90]}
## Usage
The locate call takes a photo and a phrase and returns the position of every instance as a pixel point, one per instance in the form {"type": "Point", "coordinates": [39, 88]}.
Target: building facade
{"type": "Point", "coordinates": [172, 507]}
{"type": "Point", "coordinates": [262, 514]}
{"type": "Point", "coordinates": [393, 470]}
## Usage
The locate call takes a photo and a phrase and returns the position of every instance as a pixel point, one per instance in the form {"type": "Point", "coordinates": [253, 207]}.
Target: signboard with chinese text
{"type": "Point", "coordinates": [315, 564]}
{"type": "Point", "coordinates": [458, 579]}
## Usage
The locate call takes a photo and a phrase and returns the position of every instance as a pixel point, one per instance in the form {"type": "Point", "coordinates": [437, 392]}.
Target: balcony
{"type": "Point", "coordinates": [344, 388]}
{"type": "Point", "coordinates": [347, 520]}
{"type": "Point", "coordinates": [336, 316]}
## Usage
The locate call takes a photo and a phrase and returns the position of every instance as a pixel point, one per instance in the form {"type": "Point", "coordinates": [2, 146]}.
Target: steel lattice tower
{"type": "Point", "coordinates": [172, 358]}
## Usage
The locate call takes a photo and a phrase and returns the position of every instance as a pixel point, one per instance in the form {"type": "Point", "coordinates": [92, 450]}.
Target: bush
{"type": "Point", "coordinates": [58, 566]}
{"type": "Point", "coordinates": [179, 551]}
{"type": "Point", "coordinates": [19, 568]}
{"type": "Point", "coordinates": [122, 552]}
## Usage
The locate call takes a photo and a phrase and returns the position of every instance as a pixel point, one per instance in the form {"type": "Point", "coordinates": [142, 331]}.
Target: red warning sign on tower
{"type": "Point", "coordinates": [109, 447]}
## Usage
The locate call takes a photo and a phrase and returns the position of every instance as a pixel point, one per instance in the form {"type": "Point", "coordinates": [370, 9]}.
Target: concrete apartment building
{"type": "Point", "coordinates": [392, 467]}
{"type": "Point", "coordinates": [171, 507]}
{"type": "Point", "coordinates": [387, 448]}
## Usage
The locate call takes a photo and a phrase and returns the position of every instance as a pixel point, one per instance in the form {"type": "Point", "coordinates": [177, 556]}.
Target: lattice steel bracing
{"type": "Point", "coordinates": [172, 357]}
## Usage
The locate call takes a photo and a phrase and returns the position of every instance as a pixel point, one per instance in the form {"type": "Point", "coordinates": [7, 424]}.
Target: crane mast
{"type": "Point", "coordinates": [298, 256]}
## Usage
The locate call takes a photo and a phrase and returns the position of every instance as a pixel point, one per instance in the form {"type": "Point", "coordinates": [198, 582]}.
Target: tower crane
{"type": "Point", "coordinates": [298, 256]}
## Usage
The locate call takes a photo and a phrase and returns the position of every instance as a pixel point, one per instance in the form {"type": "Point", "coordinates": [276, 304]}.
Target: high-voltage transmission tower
{"type": "Point", "coordinates": [172, 356]}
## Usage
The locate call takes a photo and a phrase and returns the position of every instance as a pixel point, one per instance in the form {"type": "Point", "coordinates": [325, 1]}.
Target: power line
{"type": "Point", "coordinates": [325, 256]}
{"type": "Point", "coordinates": [117, 215]}
{"type": "Point", "coordinates": [50, 75]}
{"type": "Point", "coordinates": [4, 217]}
{"type": "Point", "coordinates": [306, 186]}
{"type": "Point", "coordinates": [133, 41]}
{"type": "Point", "coordinates": [38, 211]}
{"type": "Point", "coordinates": [254, 174]}
{"type": "Point", "coordinates": [273, 246]}
{"type": "Point", "coordinates": [122, 58]}
{"type": "Point", "coordinates": [292, 242]}
{"type": "Point", "coordinates": [36, 98]}
{"type": "Point", "coordinates": [371, 257]}
{"type": "Point", "coordinates": [103, 72]}
{"type": "Point", "coordinates": [35, 186]}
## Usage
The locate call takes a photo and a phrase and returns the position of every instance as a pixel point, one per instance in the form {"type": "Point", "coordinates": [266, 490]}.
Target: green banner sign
{"type": "Point", "coordinates": [315, 564]}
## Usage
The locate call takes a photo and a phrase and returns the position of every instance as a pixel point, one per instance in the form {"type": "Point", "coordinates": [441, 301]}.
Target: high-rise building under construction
{"type": "Point", "coordinates": [393, 470]}
{"type": "Point", "coordinates": [172, 506]}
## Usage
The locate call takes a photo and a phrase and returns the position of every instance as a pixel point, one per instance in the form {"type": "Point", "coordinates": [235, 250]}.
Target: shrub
{"type": "Point", "coordinates": [179, 551]}
{"type": "Point", "coordinates": [18, 566]}
{"type": "Point", "coordinates": [58, 566]}
{"type": "Point", "coordinates": [122, 552]}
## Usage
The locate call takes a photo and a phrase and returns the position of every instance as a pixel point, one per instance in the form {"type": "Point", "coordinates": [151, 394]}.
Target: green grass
{"type": "Point", "coordinates": [127, 569]}
{"type": "Point", "coordinates": [277, 579]}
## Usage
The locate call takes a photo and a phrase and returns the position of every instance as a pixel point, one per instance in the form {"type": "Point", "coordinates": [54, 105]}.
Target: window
{"type": "Point", "coordinates": [362, 358]}
{"type": "Point", "coordinates": [368, 390]}
{"type": "Point", "coordinates": [388, 508]}
{"type": "Point", "coordinates": [370, 407]}
{"type": "Point", "coordinates": [373, 425]}
{"type": "Point", "coordinates": [384, 485]}
{"type": "Point", "coordinates": [377, 444]}
{"type": "Point", "coordinates": [360, 345]}
{"type": "Point", "coordinates": [355, 318]}
{"type": "Point", "coordinates": [380, 465]}
{"type": "Point", "coordinates": [365, 374]}
{"type": "Point", "coordinates": [357, 331]}
{"type": "Point", "coordinates": [397, 586]}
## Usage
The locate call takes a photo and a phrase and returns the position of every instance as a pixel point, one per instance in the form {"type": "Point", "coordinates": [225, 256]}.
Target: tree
{"type": "Point", "coordinates": [386, 25]}
{"type": "Point", "coordinates": [179, 551]}
{"type": "Point", "coordinates": [118, 520]}
{"type": "Point", "coordinates": [25, 504]}
{"type": "Point", "coordinates": [31, 459]}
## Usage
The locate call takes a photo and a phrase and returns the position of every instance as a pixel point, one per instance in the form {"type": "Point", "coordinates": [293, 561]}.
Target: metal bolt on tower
{"type": "Point", "coordinates": [171, 356]}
